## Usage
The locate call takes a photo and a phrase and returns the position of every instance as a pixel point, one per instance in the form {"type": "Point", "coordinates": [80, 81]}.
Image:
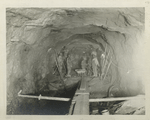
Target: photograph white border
{"type": "Point", "coordinates": [72, 3]}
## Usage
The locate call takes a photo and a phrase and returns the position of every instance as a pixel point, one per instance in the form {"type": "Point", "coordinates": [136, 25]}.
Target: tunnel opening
{"type": "Point", "coordinates": [44, 43]}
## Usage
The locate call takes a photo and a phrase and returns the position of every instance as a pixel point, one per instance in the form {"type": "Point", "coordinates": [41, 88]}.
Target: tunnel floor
{"type": "Point", "coordinates": [30, 106]}
{"type": "Point", "coordinates": [44, 107]}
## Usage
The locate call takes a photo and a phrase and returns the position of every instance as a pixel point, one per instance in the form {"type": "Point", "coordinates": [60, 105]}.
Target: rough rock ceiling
{"type": "Point", "coordinates": [32, 32]}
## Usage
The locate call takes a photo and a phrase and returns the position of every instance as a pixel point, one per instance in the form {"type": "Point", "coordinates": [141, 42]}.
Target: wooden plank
{"type": "Point", "coordinates": [85, 106]}
{"type": "Point", "coordinates": [82, 105]}
{"type": "Point", "coordinates": [82, 99]}
{"type": "Point", "coordinates": [116, 99]}
{"type": "Point", "coordinates": [81, 92]}
{"type": "Point", "coordinates": [77, 108]}
{"type": "Point", "coordinates": [83, 84]}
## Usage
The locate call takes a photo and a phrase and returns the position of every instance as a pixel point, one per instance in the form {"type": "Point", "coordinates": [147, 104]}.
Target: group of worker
{"type": "Point", "coordinates": [91, 65]}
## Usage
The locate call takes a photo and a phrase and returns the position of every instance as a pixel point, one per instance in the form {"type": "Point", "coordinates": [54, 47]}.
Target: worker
{"type": "Point", "coordinates": [89, 65]}
{"type": "Point", "coordinates": [60, 62]}
{"type": "Point", "coordinates": [69, 65]}
{"type": "Point", "coordinates": [65, 52]}
{"type": "Point", "coordinates": [83, 63]}
{"type": "Point", "coordinates": [95, 64]}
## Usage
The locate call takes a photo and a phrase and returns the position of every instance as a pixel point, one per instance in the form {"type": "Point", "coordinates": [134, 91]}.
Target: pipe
{"type": "Point", "coordinates": [105, 64]}
{"type": "Point", "coordinates": [107, 70]}
{"type": "Point", "coordinates": [116, 99]}
{"type": "Point", "coordinates": [43, 97]}
{"type": "Point", "coordinates": [105, 56]}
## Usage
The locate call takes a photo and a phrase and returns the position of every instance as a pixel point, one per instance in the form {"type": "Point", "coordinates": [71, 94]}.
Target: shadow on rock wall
{"type": "Point", "coordinates": [33, 34]}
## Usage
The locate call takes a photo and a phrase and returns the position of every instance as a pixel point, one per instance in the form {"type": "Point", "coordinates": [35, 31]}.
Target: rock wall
{"type": "Point", "coordinates": [34, 33]}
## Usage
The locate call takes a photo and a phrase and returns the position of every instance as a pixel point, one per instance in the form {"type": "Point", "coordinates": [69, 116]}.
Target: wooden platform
{"type": "Point", "coordinates": [80, 102]}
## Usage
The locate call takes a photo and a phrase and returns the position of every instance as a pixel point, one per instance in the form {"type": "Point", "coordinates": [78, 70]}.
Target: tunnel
{"type": "Point", "coordinates": [36, 37]}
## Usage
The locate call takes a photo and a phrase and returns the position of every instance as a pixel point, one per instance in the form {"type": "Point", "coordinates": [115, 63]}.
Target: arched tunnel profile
{"type": "Point", "coordinates": [47, 47]}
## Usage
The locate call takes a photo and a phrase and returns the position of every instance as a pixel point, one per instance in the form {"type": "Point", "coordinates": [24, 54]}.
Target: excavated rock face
{"type": "Point", "coordinates": [35, 35]}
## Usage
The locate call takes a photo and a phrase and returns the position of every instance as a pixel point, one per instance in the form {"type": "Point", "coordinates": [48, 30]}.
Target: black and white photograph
{"type": "Point", "coordinates": [75, 61]}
